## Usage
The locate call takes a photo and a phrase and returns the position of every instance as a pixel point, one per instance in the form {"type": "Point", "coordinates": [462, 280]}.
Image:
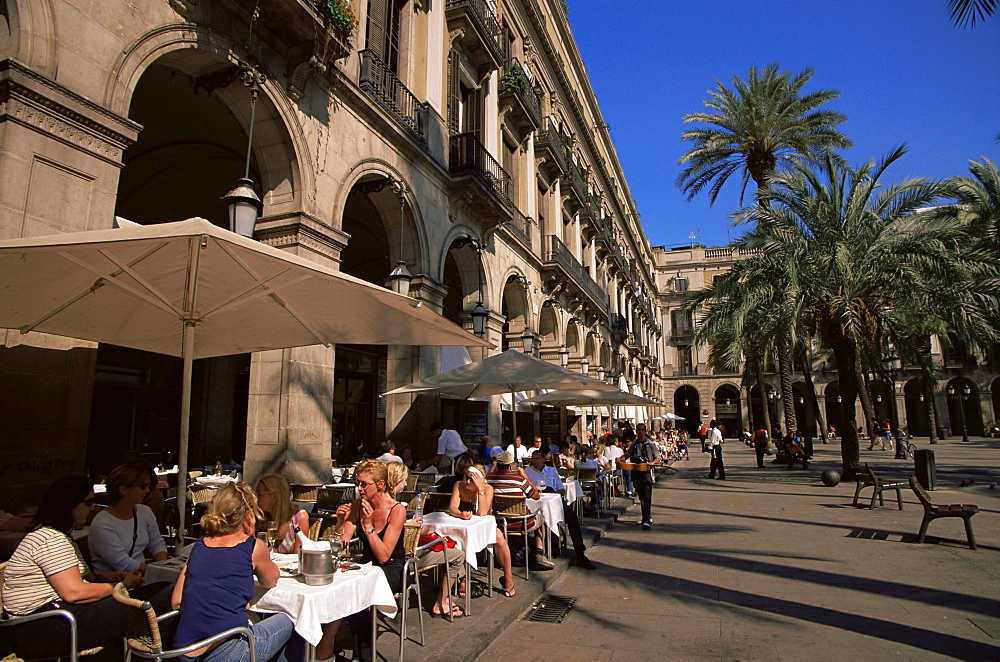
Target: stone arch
{"type": "Point", "coordinates": [462, 271]}
{"type": "Point", "coordinates": [916, 408]}
{"type": "Point", "coordinates": [282, 156]}
{"type": "Point", "coordinates": [548, 328]}
{"type": "Point", "coordinates": [573, 340]}
{"type": "Point", "coordinates": [964, 414]}
{"type": "Point", "coordinates": [30, 34]}
{"type": "Point", "coordinates": [514, 306]}
{"type": "Point", "coordinates": [687, 403]}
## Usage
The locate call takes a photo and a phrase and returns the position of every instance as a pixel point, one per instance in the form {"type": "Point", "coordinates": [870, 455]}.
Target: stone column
{"type": "Point", "coordinates": [291, 390]}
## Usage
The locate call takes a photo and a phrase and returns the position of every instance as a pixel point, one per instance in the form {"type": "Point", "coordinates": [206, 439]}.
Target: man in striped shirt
{"type": "Point", "coordinates": [508, 480]}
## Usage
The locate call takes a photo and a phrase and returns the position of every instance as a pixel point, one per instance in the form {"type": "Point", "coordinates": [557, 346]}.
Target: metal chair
{"type": "Point", "coordinates": [14, 621]}
{"type": "Point", "coordinates": [515, 509]}
{"type": "Point", "coordinates": [142, 639]}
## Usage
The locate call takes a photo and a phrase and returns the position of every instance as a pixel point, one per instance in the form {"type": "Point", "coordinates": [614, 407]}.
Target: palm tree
{"type": "Point", "coordinates": [865, 264]}
{"type": "Point", "coordinates": [967, 12]}
{"type": "Point", "coordinates": [979, 199]}
{"type": "Point", "coordinates": [762, 124]}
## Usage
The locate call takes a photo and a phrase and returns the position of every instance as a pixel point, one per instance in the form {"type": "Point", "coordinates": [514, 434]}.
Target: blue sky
{"type": "Point", "coordinates": [905, 74]}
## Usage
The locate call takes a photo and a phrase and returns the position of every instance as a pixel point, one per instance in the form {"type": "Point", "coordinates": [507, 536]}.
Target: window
{"type": "Point", "coordinates": [684, 363]}
{"type": "Point", "coordinates": [680, 284]}
{"type": "Point", "coordinates": [681, 323]}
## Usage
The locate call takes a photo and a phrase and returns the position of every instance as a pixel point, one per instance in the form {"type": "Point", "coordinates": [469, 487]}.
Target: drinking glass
{"type": "Point", "coordinates": [267, 540]}
{"type": "Point", "coordinates": [272, 534]}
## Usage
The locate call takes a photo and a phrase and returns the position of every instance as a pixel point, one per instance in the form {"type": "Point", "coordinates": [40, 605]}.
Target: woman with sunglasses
{"type": "Point", "coordinates": [48, 572]}
{"type": "Point", "coordinates": [472, 495]}
{"type": "Point", "coordinates": [124, 533]}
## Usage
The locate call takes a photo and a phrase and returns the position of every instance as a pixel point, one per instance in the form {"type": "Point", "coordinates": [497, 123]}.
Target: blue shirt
{"type": "Point", "coordinates": [218, 586]}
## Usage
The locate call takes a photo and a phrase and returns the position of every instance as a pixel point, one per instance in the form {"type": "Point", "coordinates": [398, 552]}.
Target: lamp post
{"type": "Point", "coordinates": [961, 396]}
{"type": "Point", "coordinates": [585, 366]}
{"type": "Point", "coordinates": [774, 397]}
{"type": "Point", "coordinates": [600, 371]}
{"type": "Point", "coordinates": [528, 341]}
{"type": "Point", "coordinates": [893, 365]}
{"type": "Point", "coordinates": [563, 356]}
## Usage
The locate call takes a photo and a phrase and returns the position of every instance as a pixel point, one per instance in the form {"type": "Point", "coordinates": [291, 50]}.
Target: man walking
{"type": "Point", "coordinates": [760, 446]}
{"type": "Point", "coordinates": [644, 451]}
{"type": "Point", "coordinates": [715, 442]}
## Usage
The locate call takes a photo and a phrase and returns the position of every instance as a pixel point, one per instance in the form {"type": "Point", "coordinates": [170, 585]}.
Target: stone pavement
{"type": "Point", "coordinates": [769, 564]}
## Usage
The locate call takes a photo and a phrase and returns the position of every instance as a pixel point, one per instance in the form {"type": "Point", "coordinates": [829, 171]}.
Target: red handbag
{"type": "Point", "coordinates": [426, 538]}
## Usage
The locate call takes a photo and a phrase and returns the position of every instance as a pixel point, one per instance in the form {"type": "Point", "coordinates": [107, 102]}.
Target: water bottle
{"type": "Point", "coordinates": [418, 508]}
{"type": "Point", "coordinates": [218, 467]}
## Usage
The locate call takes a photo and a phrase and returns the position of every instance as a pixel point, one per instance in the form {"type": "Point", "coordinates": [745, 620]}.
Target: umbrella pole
{"type": "Point", "coordinates": [513, 420]}
{"type": "Point", "coordinates": [182, 451]}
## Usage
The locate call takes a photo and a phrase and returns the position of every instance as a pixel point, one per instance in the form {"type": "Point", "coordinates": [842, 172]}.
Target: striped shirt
{"type": "Point", "coordinates": [41, 554]}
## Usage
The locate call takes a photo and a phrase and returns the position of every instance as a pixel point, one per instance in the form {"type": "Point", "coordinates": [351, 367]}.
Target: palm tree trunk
{"type": "Point", "coordinates": [934, 413]}
{"type": "Point", "coordinates": [762, 391]}
{"type": "Point", "coordinates": [845, 357]}
{"type": "Point", "coordinates": [785, 375]}
{"type": "Point", "coordinates": [864, 392]}
{"type": "Point", "coordinates": [811, 391]}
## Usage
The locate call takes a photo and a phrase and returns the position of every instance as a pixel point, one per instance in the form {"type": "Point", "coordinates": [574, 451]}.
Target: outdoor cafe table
{"type": "Point", "coordinates": [573, 490]}
{"type": "Point", "coordinates": [310, 607]}
{"type": "Point", "coordinates": [550, 508]}
{"type": "Point", "coordinates": [473, 535]}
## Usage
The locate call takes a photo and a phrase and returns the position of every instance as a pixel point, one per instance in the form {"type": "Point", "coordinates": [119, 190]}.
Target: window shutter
{"type": "Point", "coordinates": [454, 93]}
{"type": "Point", "coordinates": [378, 19]}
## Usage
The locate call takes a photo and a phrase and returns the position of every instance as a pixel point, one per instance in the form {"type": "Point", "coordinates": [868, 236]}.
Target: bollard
{"type": "Point", "coordinates": [923, 464]}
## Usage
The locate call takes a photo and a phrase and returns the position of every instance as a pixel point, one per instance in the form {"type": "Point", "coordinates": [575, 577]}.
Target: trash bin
{"type": "Point", "coordinates": [942, 432]}
{"type": "Point", "coordinates": [923, 461]}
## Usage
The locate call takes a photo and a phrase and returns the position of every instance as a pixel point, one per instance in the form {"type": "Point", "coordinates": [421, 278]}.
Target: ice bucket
{"type": "Point", "coordinates": [316, 566]}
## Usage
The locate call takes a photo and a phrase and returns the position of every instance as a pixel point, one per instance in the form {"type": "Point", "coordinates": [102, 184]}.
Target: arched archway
{"type": "Point", "coordinates": [917, 408]}
{"type": "Point", "coordinates": [687, 403]}
{"type": "Point", "coordinates": [834, 417]}
{"type": "Point", "coordinates": [964, 410]}
{"type": "Point", "coordinates": [728, 411]}
{"type": "Point", "coordinates": [548, 331]}
{"type": "Point", "coordinates": [514, 308]}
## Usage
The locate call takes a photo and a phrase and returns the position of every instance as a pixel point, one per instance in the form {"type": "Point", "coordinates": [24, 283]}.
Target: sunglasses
{"type": "Point", "coordinates": [363, 485]}
{"type": "Point", "coordinates": [470, 477]}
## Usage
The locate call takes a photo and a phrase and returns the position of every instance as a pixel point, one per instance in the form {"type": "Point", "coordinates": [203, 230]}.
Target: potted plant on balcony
{"type": "Point", "coordinates": [514, 80]}
{"type": "Point", "coordinates": [339, 15]}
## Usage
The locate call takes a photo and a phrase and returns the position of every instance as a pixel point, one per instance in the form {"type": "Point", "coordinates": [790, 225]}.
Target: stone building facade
{"type": "Point", "coordinates": [694, 391]}
{"type": "Point", "coordinates": [460, 137]}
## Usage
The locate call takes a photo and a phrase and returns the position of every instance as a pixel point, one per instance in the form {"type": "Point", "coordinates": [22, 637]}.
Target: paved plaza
{"type": "Point", "coordinates": [766, 565]}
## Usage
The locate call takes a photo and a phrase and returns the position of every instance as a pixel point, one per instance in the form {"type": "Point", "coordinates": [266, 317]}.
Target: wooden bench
{"type": "Point", "coordinates": [932, 512]}
{"type": "Point", "coordinates": [867, 478]}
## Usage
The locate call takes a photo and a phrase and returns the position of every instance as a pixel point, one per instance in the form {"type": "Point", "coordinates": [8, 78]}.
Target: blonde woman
{"type": "Point", "coordinates": [217, 582]}
{"type": "Point", "coordinates": [397, 475]}
{"type": "Point", "coordinates": [472, 495]}
{"type": "Point", "coordinates": [274, 497]}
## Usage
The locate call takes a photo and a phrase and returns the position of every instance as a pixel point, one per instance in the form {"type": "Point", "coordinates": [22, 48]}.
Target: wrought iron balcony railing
{"type": "Point", "coordinates": [483, 35]}
{"type": "Point", "coordinates": [549, 143]}
{"type": "Point", "coordinates": [389, 92]}
{"type": "Point", "coordinates": [526, 108]}
{"type": "Point", "coordinates": [469, 156]}
{"type": "Point", "coordinates": [555, 252]}
{"type": "Point", "coordinates": [577, 181]}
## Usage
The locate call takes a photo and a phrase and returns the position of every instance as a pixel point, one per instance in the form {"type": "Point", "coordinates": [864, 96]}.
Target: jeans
{"type": "Point", "coordinates": [270, 636]}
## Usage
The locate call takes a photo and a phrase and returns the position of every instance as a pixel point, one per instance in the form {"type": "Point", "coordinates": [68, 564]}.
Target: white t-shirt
{"type": "Point", "coordinates": [715, 435]}
{"type": "Point", "coordinates": [450, 444]}
{"type": "Point", "coordinates": [612, 453]}
{"type": "Point", "coordinates": [111, 538]}
{"type": "Point", "coordinates": [522, 453]}
{"type": "Point", "coordinates": [387, 458]}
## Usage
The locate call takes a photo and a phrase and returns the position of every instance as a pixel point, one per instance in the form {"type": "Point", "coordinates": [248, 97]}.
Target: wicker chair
{"type": "Point", "coordinates": [411, 578]}
{"type": "Point", "coordinates": [142, 639]}
{"type": "Point", "coordinates": [321, 526]}
{"type": "Point", "coordinates": [515, 509]}
{"type": "Point", "coordinates": [305, 492]}
{"type": "Point", "coordinates": [55, 613]}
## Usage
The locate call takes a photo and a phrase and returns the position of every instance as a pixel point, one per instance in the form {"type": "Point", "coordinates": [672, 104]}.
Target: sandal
{"type": "Point", "coordinates": [461, 588]}
{"type": "Point", "coordinates": [507, 592]}
{"type": "Point", "coordinates": [456, 612]}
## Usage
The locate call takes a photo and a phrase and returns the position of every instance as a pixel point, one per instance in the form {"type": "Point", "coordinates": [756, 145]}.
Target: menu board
{"type": "Point", "coordinates": [550, 421]}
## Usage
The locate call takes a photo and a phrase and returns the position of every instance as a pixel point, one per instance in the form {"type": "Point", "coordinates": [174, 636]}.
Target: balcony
{"type": "Point", "coordinates": [520, 227]}
{"type": "Point", "coordinates": [619, 327]}
{"type": "Point", "coordinates": [559, 264]}
{"type": "Point", "coordinates": [479, 177]}
{"type": "Point", "coordinates": [478, 28]}
{"type": "Point", "coordinates": [311, 44]}
{"type": "Point", "coordinates": [575, 185]}
{"type": "Point", "coordinates": [382, 85]}
{"type": "Point", "coordinates": [518, 99]}
{"type": "Point", "coordinates": [682, 335]}
{"type": "Point", "coordinates": [551, 146]}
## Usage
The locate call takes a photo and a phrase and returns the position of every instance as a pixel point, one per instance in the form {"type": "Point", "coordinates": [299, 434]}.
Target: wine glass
{"type": "Point", "coordinates": [266, 539]}
{"type": "Point", "coordinates": [272, 534]}
{"type": "Point", "coordinates": [336, 549]}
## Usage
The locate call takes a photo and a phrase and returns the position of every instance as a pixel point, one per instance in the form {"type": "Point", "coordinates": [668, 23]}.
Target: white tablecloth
{"type": "Point", "coordinates": [573, 490]}
{"type": "Point", "coordinates": [214, 481]}
{"type": "Point", "coordinates": [473, 535]}
{"type": "Point", "coordinates": [550, 508]}
{"type": "Point", "coordinates": [310, 607]}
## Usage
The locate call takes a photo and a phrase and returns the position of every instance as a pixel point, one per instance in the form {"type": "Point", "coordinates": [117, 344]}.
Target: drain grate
{"type": "Point", "coordinates": [551, 609]}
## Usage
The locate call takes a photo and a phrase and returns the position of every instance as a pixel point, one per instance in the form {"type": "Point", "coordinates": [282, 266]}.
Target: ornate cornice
{"type": "Point", "coordinates": [299, 229]}
{"type": "Point", "coordinates": [37, 102]}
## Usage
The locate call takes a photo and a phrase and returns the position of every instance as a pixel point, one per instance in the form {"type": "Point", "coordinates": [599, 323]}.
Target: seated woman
{"type": "Point", "coordinates": [472, 495]}
{"type": "Point", "coordinates": [274, 497]}
{"type": "Point", "coordinates": [125, 534]}
{"type": "Point", "coordinates": [47, 572]}
{"type": "Point", "coordinates": [217, 583]}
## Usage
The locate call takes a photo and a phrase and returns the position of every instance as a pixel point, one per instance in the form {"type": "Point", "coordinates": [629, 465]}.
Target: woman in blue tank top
{"type": "Point", "coordinates": [217, 582]}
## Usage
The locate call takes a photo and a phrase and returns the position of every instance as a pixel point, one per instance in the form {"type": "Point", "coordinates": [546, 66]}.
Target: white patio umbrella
{"type": "Point", "coordinates": [672, 417]}
{"type": "Point", "coordinates": [506, 372]}
{"type": "Point", "coordinates": [193, 290]}
{"type": "Point", "coordinates": [589, 398]}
